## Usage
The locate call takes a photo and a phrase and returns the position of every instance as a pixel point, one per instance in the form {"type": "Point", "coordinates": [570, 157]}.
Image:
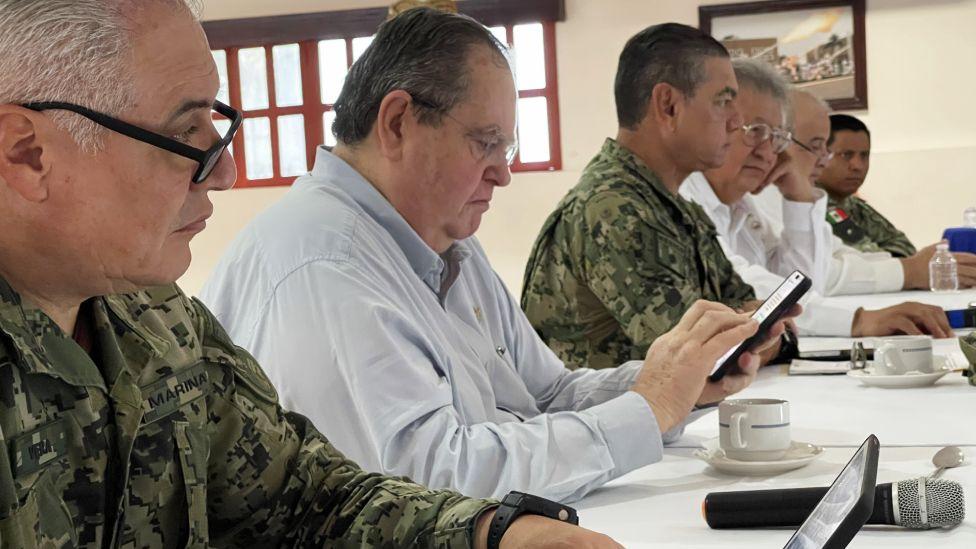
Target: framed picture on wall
{"type": "Point", "coordinates": [818, 45]}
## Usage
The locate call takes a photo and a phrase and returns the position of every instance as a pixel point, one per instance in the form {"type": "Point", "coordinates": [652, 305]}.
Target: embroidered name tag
{"type": "Point", "coordinates": [162, 398]}
{"type": "Point", "coordinates": [33, 451]}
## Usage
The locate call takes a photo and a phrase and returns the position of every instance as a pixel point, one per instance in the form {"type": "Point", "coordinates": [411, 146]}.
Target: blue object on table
{"type": "Point", "coordinates": [961, 239]}
{"type": "Point", "coordinates": [958, 318]}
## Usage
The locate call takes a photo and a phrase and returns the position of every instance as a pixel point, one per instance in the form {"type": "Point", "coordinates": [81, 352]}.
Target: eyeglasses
{"type": "Point", "coordinates": [482, 146]}
{"type": "Point", "coordinates": [820, 152]}
{"type": "Point", "coordinates": [206, 159]}
{"type": "Point", "coordinates": [754, 135]}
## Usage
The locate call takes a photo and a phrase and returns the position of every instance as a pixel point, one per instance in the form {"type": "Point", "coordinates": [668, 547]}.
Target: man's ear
{"type": "Point", "coordinates": [391, 120]}
{"type": "Point", "coordinates": [664, 104]}
{"type": "Point", "coordinates": [22, 164]}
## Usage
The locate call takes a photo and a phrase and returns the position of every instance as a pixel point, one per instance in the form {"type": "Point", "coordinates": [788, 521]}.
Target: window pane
{"type": "Point", "coordinates": [359, 45]}
{"type": "Point", "coordinates": [530, 58]}
{"type": "Point", "coordinates": [327, 119]}
{"type": "Point", "coordinates": [257, 148]}
{"type": "Point", "coordinates": [291, 145]}
{"type": "Point", "coordinates": [254, 78]}
{"type": "Point", "coordinates": [533, 129]}
{"type": "Point", "coordinates": [332, 68]}
{"type": "Point", "coordinates": [499, 33]}
{"type": "Point", "coordinates": [288, 75]}
{"type": "Point", "coordinates": [223, 126]}
{"type": "Point", "coordinates": [220, 59]}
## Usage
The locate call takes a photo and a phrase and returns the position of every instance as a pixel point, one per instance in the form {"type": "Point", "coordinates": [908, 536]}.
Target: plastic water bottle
{"type": "Point", "coordinates": [943, 271]}
{"type": "Point", "coordinates": [969, 217]}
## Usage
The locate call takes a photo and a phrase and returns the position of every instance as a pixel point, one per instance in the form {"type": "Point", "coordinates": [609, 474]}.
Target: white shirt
{"type": "Point", "coordinates": [851, 271]}
{"type": "Point", "coordinates": [762, 255]}
{"type": "Point", "coordinates": [417, 364]}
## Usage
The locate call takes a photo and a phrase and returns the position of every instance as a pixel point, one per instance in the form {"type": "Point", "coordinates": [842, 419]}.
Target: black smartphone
{"type": "Point", "coordinates": [776, 305]}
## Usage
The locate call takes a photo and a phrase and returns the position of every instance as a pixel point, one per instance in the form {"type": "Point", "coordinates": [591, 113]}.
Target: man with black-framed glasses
{"type": "Point", "coordinates": [128, 418]}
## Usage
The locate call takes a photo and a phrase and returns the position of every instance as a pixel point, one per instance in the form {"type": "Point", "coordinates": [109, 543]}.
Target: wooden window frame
{"type": "Point", "coordinates": [307, 30]}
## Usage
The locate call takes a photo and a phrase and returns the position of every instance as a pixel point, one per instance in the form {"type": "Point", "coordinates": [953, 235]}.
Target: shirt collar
{"type": "Point", "coordinates": [424, 261]}
{"type": "Point", "coordinates": [704, 194]}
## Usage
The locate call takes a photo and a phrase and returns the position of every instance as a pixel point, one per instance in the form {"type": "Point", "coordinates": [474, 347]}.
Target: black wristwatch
{"type": "Point", "coordinates": [516, 504]}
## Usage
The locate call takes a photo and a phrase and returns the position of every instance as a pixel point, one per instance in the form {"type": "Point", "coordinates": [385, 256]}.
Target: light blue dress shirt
{"type": "Point", "coordinates": [418, 364]}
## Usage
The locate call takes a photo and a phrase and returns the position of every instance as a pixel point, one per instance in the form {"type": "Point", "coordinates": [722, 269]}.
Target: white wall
{"type": "Point", "coordinates": [921, 73]}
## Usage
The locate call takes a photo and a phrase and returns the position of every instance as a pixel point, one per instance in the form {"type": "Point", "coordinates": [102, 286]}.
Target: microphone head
{"type": "Point", "coordinates": [925, 503]}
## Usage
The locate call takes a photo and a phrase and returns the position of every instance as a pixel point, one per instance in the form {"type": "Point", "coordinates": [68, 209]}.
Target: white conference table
{"type": "Point", "coordinates": [660, 505]}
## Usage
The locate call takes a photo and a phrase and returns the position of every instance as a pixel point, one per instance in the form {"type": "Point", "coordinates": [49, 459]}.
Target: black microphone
{"type": "Point", "coordinates": [920, 503]}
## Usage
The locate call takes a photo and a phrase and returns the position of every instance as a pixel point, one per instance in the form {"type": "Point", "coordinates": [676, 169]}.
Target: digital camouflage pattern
{"type": "Point", "coordinates": [619, 262]}
{"type": "Point", "coordinates": [968, 344]}
{"type": "Point", "coordinates": [862, 227]}
{"type": "Point", "coordinates": [176, 439]}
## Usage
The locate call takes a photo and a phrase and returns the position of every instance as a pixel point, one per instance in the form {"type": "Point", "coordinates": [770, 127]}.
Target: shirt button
{"type": "Point", "coordinates": [500, 350]}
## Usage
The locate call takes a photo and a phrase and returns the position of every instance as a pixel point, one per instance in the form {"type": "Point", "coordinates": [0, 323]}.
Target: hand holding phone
{"type": "Point", "coordinates": [776, 305]}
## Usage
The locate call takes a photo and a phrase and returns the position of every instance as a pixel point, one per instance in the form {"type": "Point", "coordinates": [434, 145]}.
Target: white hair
{"type": "Point", "coordinates": [76, 51]}
{"type": "Point", "coordinates": [761, 77]}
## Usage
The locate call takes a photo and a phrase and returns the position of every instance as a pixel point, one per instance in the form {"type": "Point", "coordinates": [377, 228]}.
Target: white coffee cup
{"type": "Point", "coordinates": [754, 429]}
{"type": "Point", "coordinates": [898, 355]}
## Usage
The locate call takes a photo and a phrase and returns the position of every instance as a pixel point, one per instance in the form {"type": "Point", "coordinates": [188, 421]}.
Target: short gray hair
{"type": "Point", "coordinates": [76, 51]}
{"type": "Point", "coordinates": [422, 51]}
{"type": "Point", "coordinates": [759, 76]}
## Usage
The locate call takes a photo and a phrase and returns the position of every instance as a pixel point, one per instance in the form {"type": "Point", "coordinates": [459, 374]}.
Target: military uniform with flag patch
{"type": "Point", "coordinates": [863, 228]}
{"type": "Point", "coordinates": [619, 262]}
{"type": "Point", "coordinates": [165, 434]}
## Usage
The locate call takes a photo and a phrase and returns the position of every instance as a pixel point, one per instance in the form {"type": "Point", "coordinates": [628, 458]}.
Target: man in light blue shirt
{"type": "Point", "coordinates": [377, 314]}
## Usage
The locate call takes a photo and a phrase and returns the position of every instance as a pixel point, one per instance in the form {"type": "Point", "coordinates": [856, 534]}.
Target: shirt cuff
{"type": "Point", "coordinates": [889, 275]}
{"type": "Point", "coordinates": [631, 431]}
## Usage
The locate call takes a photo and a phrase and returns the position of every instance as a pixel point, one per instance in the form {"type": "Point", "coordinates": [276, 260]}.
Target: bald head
{"type": "Point", "coordinates": [811, 127]}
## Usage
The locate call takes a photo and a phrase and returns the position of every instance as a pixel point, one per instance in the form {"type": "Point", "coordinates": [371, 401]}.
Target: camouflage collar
{"type": "Point", "coordinates": [842, 204]}
{"type": "Point", "coordinates": [39, 343]}
{"type": "Point", "coordinates": [616, 153]}
{"type": "Point", "coordinates": [43, 348]}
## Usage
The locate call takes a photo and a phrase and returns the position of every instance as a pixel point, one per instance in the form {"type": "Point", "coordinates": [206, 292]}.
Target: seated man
{"type": "Point", "coordinates": [762, 154]}
{"type": "Point", "coordinates": [851, 271]}
{"type": "Point", "coordinates": [373, 307]}
{"type": "Point", "coordinates": [623, 256]}
{"type": "Point", "coordinates": [854, 220]}
{"type": "Point", "coordinates": [130, 419]}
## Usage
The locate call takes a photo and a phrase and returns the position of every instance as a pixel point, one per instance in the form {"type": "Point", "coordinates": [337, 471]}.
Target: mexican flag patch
{"type": "Point", "coordinates": [836, 215]}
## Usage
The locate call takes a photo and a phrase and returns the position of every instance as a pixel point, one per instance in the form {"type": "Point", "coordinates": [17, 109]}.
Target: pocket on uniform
{"type": "Point", "coordinates": [41, 520]}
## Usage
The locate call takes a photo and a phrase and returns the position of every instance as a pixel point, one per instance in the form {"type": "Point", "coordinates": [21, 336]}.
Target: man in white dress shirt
{"type": "Point", "coordinates": [376, 313]}
{"type": "Point", "coordinates": [765, 154]}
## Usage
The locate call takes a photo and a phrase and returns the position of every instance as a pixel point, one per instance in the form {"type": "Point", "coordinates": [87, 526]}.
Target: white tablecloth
{"type": "Point", "coordinates": [660, 505]}
{"type": "Point", "coordinates": [953, 300]}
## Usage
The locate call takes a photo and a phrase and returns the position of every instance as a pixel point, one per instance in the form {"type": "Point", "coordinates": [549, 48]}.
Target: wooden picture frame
{"type": "Point", "coordinates": [817, 44]}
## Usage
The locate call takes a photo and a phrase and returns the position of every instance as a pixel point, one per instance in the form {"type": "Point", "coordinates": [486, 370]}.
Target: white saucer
{"type": "Point", "coordinates": [899, 381]}
{"type": "Point", "coordinates": [799, 454]}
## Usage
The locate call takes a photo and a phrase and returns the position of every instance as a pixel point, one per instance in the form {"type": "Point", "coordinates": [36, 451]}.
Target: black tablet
{"type": "Point", "coordinates": [775, 306]}
{"type": "Point", "coordinates": [845, 507]}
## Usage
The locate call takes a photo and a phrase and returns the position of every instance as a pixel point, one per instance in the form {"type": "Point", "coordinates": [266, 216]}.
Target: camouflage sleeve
{"type": "Point", "coordinates": [274, 480]}
{"type": "Point", "coordinates": [883, 233]}
{"type": "Point", "coordinates": [637, 269]}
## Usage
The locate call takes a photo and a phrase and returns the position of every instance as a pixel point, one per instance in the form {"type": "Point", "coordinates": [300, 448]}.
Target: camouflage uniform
{"type": "Point", "coordinates": [968, 344]}
{"type": "Point", "coordinates": [619, 262]}
{"type": "Point", "coordinates": [862, 227]}
{"type": "Point", "coordinates": [173, 437]}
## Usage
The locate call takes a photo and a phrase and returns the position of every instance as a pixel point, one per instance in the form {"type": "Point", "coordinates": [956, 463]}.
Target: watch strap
{"type": "Point", "coordinates": [516, 504]}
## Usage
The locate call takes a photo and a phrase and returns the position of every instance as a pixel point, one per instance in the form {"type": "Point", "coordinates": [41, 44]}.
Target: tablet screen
{"type": "Point", "coordinates": [839, 502]}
